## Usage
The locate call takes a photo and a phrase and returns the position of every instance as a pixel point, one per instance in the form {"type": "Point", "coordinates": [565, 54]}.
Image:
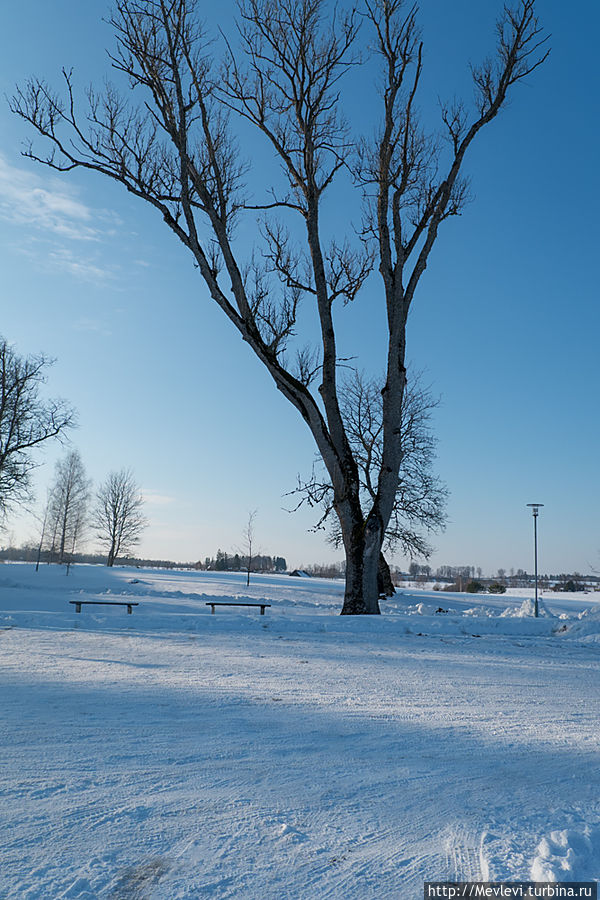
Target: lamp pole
{"type": "Point", "coordinates": [535, 507]}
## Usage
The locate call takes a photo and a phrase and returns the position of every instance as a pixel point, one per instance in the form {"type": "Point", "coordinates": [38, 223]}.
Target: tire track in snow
{"type": "Point", "coordinates": [462, 850]}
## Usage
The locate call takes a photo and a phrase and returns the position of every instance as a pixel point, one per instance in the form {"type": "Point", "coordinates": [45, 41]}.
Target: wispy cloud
{"type": "Point", "coordinates": [55, 225]}
{"type": "Point", "coordinates": [51, 257]}
{"type": "Point", "coordinates": [154, 498]}
{"type": "Point", "coordinates": [77, 265]}
{"type": "Point", "coordinates": [44, 203]}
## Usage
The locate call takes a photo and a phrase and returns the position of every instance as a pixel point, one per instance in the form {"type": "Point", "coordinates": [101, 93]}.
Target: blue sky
{"type": "Point", "coordinates": [505, 325]}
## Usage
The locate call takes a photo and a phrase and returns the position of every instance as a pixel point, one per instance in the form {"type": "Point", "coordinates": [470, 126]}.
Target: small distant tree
{"type": "Point", "coordinates": [570, 583]}
{"type": "Point", "coordinates": [43, 520]}
{"type": "Point", "coordinates": [77, 527]}
{"type": "Point", "coordinates": [221, 562]}
{"type": "Point", "coordinates": [26, 421]}
{"type": "Point", "coordinates": [67, 513]}
{"type": "Point", "coordinates": [249, 545]}
{"type": "Point", "coordinates": [117, 516]}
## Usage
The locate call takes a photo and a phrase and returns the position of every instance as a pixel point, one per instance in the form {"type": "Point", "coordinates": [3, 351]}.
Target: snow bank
{"type": "Point", "coordinates": [568, 855]}
{"type": "Point", "coordinates": [585, 627]}
{"type": "Point", "coordinates": [527, 610]}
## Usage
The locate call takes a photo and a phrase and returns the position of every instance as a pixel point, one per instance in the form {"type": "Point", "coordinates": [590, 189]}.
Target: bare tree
{"type": "Point", "coordinates": [69, 499]}
{"type": "Point", "coordinates": [175, 149]}
{"type": "Point", "coordinates": [420, 502]}
{"type": "Point", "coordinates": [77, 525]}
{"type": "Point", "coordinates": [249, 545]}
{"type": "Point", "coordinates": [44, 525]}
{"type": "Point", "coordinates": [26, 421]}
{"type": "Point", "coordinates": [117, 515]}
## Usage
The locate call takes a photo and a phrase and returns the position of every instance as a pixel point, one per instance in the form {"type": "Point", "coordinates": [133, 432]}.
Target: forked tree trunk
{"type": "Point", "coordinates": [362, 564]}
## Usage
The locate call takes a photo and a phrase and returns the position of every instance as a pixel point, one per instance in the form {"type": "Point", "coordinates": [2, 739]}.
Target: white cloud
{"type": "Point", "coordinates": [44, 203]}
{"type": "Point", "coordinates": [154, 498]}
{"type": "Point", "coordinates": [77, 265]}
{"type": "Point", "coordinates": [56, 226]}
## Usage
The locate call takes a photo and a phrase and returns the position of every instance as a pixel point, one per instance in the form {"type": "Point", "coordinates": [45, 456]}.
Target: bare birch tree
{"type": "Point", "coordinates": [27, 421]}
{"type": "Point", "coordinates": [69, 497]}
{"type": "Point", "coordinates": [43, 519]}
{"type": "Point", "coordinates": [77, 525]}
{"type": "Point", "coordinates": [176, 149]}
{"type": "Point", "coordinates": [118, 514]}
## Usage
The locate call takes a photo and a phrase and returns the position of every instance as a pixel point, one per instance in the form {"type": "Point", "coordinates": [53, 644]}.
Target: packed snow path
{"type": "Point", "coordinates": [175, 754]}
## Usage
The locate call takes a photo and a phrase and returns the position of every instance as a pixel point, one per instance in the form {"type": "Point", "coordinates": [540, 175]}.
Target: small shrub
{"type": "Point", "coordinates": [474, 587]}
{"type": "Point", "coordinates": [569, 586]}
{"type": "Point", "coordinates": [497, 588]}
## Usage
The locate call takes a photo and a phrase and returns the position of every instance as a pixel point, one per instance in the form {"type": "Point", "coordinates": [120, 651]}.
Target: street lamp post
{"type": "Point", "coordinates": [535, 507]}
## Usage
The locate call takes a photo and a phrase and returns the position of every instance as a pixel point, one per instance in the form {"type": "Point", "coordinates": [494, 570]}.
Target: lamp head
{"type": "Point", "coordinates": [535, 507]}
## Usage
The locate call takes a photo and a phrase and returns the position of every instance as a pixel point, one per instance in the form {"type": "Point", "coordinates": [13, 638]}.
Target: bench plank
{"type": "Point", "coordinates": [79, 603]}
{"type": "Point", "coordinates": [213, 603]}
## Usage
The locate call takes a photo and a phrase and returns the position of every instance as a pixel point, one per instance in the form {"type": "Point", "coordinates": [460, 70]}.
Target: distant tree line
{"type": "Point", "coordinates": [238, 562]}
{"type": "Point", "coordinates": [472, 580]}
{"type": "Point", "coordinates": [28, 552]}
{"type": "Point", "coordinates": [325, 570]}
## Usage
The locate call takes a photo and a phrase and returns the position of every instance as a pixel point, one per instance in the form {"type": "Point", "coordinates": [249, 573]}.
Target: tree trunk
{"type": "Point", "coordinates": [385, 585]}
{"type": "Point", "coordinates": [63, 540]}
{"type": "Point", "coordinates": [362, 554]}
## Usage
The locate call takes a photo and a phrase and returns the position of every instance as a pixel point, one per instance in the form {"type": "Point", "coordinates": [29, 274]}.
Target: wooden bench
{"type": "Point", "coordinates": [80, 603]}
{"type": "Point", "coordinates": [214, 603]}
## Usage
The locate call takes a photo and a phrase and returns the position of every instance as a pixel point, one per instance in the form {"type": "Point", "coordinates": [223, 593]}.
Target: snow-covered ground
{"type": "Point", "coordinates": [172, 753]}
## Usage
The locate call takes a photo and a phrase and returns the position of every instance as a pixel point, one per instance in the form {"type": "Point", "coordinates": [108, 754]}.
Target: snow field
{"type": "Point", "coordinates": [174, 754]}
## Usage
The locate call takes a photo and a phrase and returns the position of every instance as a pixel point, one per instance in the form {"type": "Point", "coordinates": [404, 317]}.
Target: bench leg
{"type": "Point", "coordinates": [129, 609]}
{"type": "Point", "coordinates": [212, 609]}
{"type": "Point", "coordinates": [78, 607]}
{"type": "Point", "coordinates": [262, 610]}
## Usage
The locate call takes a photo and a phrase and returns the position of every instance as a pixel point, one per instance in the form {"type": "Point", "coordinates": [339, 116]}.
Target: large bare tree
{"type": "Point", "coordinates": [27, 421]}
{"type": "Point", "coordinates": [176, 150]}
{"type": "Point", "coordinates": [118, 514]}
